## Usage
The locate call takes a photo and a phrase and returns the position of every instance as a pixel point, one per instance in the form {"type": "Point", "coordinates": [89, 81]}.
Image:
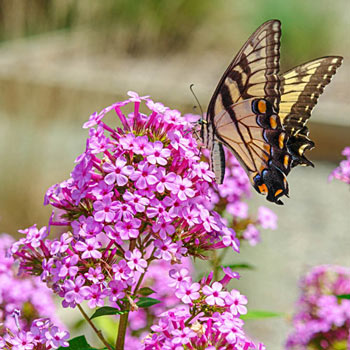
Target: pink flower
{"type": "Point", "coordinates": [137, 201]}
{"type": "Point", "coordinates": [117, 173]}
{"type": "Point", "coordinates": [144, 175]}
{"type": "Point", "coordinates": [267, 218]}
{"type": "Point", "coordinates": [237, 302]}
{"type": "Point", "coordinates": [90, 248]}
{"type": "Point", "coordinates": [105, 209]}
{"type": "Point", "coordinates": [184, 188]}
{"type": "Point", "coordinates": [188, 292]}
{"type": "Point", "coordinates": [215, 295]}
{"type": "Point", "coordinates": [156, 154]}
{"type": "Point", "coordinates": [135, 260]}
{"type": "Point", "coordinates": [129, 229]}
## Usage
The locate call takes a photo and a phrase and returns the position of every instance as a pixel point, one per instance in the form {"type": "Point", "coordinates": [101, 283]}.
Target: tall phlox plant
{"type": "Point", "coordinates": [140, 195]}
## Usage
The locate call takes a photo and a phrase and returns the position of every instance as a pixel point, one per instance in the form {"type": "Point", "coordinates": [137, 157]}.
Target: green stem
{"type": "Point", "coordinates": [98, 333]}
{"type": "Point", "coordinates": [123, 322]}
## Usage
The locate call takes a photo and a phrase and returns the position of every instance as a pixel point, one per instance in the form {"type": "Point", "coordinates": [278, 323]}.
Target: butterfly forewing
{"type": "Point", "coordinates": [253, 72]}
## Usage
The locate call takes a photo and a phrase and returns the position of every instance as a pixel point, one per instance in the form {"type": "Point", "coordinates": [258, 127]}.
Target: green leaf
{"type": "Point", "coordinates": [78, 343]}
{"type": "Point", "coordinates": [147, 302]}
{"type": "Point", "coordinates": [241, 266]}
{"type": "Point", "coordinates": [259, 314]}
{"type": "Point", "coordinates": [107, 310]}
{"type": "Point", "coordinates": [343, 296]}
{"type": "Point", "coordinates": [146, 291]}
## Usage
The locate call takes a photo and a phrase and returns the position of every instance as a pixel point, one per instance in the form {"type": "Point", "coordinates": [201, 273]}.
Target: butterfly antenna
{"type": "Point", "coordinates": [194, 95]}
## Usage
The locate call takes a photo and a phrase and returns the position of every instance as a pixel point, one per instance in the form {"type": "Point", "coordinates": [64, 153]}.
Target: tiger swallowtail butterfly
{"type": "Point", "coordinates": [260, 115]}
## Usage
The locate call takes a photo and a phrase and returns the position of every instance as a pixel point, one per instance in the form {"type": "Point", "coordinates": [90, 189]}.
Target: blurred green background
{"type": "Point", "coordinates": [61, 60]}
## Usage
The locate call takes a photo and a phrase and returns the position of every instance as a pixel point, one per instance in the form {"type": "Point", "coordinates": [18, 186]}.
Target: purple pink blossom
{"type": "Point", "coordinates": [321, 320]}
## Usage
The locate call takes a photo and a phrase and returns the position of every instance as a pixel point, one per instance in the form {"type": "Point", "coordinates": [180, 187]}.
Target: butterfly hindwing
{"type": "Point", "coordinates": [300, 89]}
{"type": "Point", "coordinates": [260, 146]}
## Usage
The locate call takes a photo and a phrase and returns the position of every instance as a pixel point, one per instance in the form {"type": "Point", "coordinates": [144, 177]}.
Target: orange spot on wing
{"type": "Point", "coordinates": [273, 122]}
{"type": "Point", "coordinates": [278, 192]}
{"type": "Point", "coordinates": [286, 161]}
{"type": "Point", "coordinates": [263, 188]}
{"type": "Point", "coordinates": [281, 140]}
{"type": "Point", "coordinates": [262, 106]}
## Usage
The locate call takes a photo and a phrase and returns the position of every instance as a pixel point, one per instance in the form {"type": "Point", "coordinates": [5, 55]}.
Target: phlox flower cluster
{"type": "Point", "coordinates": [322, 321]}
{"type": "Point", "coordinates": [342, 172]}
{"type": "Point", "coordinates": [139, 193]}
{"type": "Point", "coordinates": [43, 335]}
{"type": "Point", "coordinates": [208, 319]}
{"type": "Point", "coordinates": [26, 295]}
{"type": "Point", "coordinates": [231, 197]}
{"type": "Point", "coordinates": [162, 284]}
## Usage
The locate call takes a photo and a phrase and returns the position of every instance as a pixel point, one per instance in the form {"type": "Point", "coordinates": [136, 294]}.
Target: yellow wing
{"type": "Point", "coordinates": [300, 89]}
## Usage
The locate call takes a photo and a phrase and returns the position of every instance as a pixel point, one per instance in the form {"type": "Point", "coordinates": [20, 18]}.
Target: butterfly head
{"type": "Point", "coordinates": [271, 182]}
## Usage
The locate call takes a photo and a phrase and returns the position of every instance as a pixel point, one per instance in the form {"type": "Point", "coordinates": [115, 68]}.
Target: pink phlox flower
{"type": "Point", "coordinates": [136, 201]}
{"type": "Point", "coordinates": [252, 235]}
{"type": "Point", "coordinates": [98, 142]}
{"type": "Point", "coordinates": [74, 290]}
{"type": "Point", "coordinates": [129, 229]}
{"type": "Point", "coordinates": [182, 336]}
{"type": "Point", "coordinates": [127, 141]}
{"type": "Point", "coordinates": [232, 327]}
{"type": "Point", "coordinates": [124, 212]}
{"type": "Point", "coordinates": [166, 249]}
{"type": "Point", "coordinates": [157, 209]}
{"type": "Point", "coordinates": [163, 228]}
{"type": "Point", "coordinates": [113, 234]}
{"type": "Point", "coordinates": [173, 116]}
{"type": "Point", "coordinates": [117, 173]}
{"type": "Point", "coordinates": [229, 275]}
{"type": "Point", "coordinates": [238, 209]}
{"type": "Point", "coordinates": [94, 119]}
{"type": "Point", "coordinates": [95, 275]}
{"type": "Point", "coordinates": [116, 290]}
{"type": "Point", "coordinates": [192, 215]}
{"type": "Point", "coordinates": [209, 222]}
{"type": "Point", "coordinates": [69, 266]}
{"type": "Point", "coordinates": [135, 261]}
{"type": "Point", "coordinates": [61, 245]}
{"type": "Point", "coordinates": [203, 172]}
{"type": "Point", "coordinates": [179, 277]}
{"type": "Point", "coordinates": [183, 188]}
{"type": "Point", "coordinates": [188, 292]}
{"type": "Point", "coordinates": [156, 107]}
{"type": "Point", "coordinates": [105, 210]}
{"type": "Point", "coordinates": [215, 295]}
{"type": "Point", "coordinates": [144, 175]}
{"type": "Point", "coordinates": [267, 218]}
{"type": "Point", "coordinates": [122, 271]}
{"type": "Point", "coordinates": [34, 237]}
{"type": "Point", "coordinates": [237, 302]}
{"type": "Point", "coordinates": [90, 248]}
{"type": "Point", "coordinates": [229, 238]}
{"type": "Point", "coordinates": [165, 181]}
{"type": "Point", "coordinates": [95, 295]}
{"type": "Point", "coordinates": [57, 338]}
{"type": "Point", "coordinates": [134, 97]}
{"type": "Point", "coordinates": [330, 310]}
{"type": "Point", "coordinates": [21, 341]}
{"type": "Point", "coordinates": [82, 172]}
{"type": "Point", "coordinates": [140, 144]}
{"type": "Point", "coordinates": [156, 154]}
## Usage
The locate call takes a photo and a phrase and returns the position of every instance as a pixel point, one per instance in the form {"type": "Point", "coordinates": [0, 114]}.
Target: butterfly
{"type": "Point", "coordinates": [261, 116]}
